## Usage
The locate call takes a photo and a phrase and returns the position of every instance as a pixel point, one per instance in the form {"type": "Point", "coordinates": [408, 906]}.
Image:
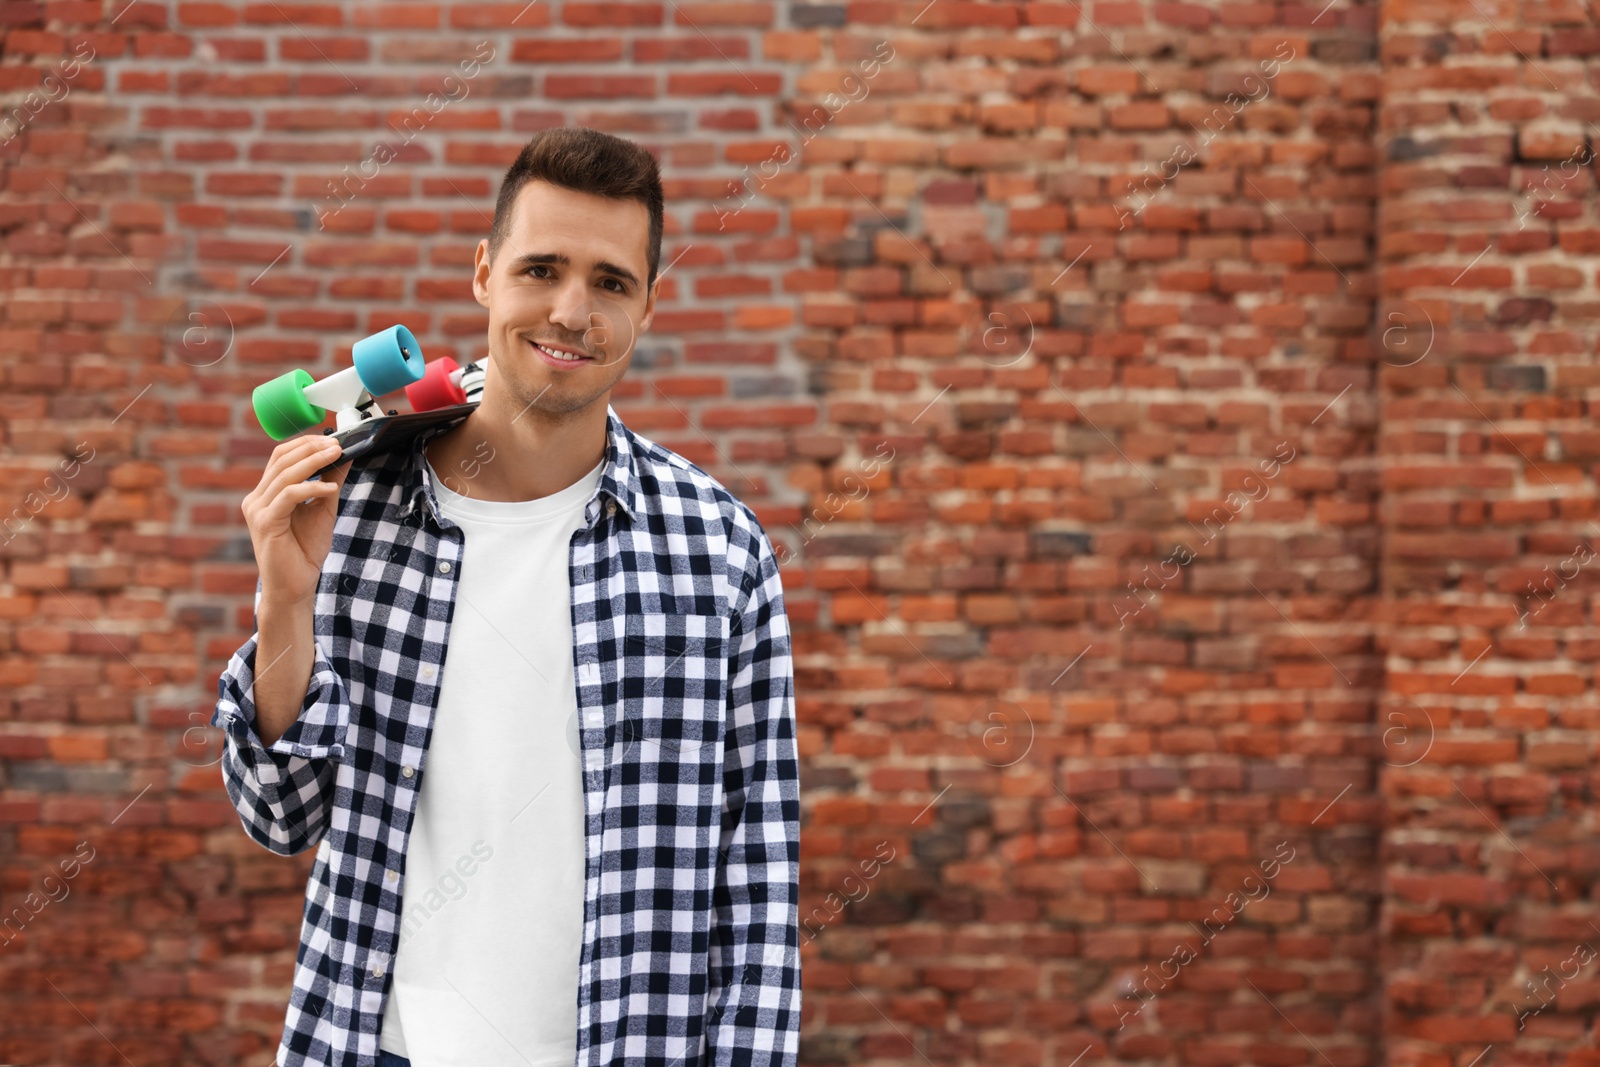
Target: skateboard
{"type": "Point", "coordinates": [385, 362]}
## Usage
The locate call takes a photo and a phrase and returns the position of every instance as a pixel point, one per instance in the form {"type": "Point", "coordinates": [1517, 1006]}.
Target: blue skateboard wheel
{"type": "Point", "coordinates": [388, 361]}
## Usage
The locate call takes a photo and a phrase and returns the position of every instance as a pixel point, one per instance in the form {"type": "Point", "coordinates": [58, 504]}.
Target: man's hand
{"type": "Point", "coordinates": [291, 519]}
{"type": "Point", "coordinates": [291, 525]}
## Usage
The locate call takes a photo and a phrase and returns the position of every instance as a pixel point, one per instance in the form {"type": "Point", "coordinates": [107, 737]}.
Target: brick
{"type": "Point", "coordinates": [612, 15]}
{"type": "Point", "coordinates": [586, 86]}
{"type": "Point", "coordinates": [598, 50]}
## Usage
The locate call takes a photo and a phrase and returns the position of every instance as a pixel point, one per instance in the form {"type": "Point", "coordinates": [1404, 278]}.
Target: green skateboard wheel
{"type": "Point", "coordinates": [281, 405]}
{"type": "Point", "coordinates": [387, 361]}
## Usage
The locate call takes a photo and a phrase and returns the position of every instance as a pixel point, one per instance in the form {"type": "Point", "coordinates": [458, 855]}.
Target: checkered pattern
{"type": "Point", "coordinates": [685, 691]}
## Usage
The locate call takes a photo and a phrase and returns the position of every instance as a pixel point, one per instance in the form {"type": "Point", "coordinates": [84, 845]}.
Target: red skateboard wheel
{"type": "Point", "coordinates": [435, 389]}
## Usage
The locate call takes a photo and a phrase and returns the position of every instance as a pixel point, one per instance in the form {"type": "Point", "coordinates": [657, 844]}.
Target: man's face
{"type": "Point", "coordinates": [594, 303]}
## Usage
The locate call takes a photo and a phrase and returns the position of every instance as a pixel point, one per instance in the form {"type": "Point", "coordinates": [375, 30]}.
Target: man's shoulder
{"type": "Point", "coordinates": [667, 476]}
{"type": "Point", "coordinates": [382, 475]}
{"type": "Point", "coordinates": [376, 477]}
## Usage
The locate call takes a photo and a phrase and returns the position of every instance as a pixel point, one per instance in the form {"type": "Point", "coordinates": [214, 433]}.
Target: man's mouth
{"type": "Point", "coordinates": [560, 354]}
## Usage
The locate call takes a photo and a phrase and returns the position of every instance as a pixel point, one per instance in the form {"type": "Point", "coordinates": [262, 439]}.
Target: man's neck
{"type": "Point", "coordinates": [521, 455]}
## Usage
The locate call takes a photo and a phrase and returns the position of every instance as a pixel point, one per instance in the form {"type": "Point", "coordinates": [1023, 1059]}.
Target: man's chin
{"type": "Point", "coordinates": [550, 401]}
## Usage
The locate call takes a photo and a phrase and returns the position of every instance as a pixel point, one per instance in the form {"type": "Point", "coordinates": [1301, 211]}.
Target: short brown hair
{"type": "Point", "coordinates": [587, 161]}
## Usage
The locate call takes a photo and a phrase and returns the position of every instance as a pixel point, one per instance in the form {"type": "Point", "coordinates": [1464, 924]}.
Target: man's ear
{"type": "Point", "coordinates": [480, 272]}
{"type": "Point", "coordinates": [650, 306]}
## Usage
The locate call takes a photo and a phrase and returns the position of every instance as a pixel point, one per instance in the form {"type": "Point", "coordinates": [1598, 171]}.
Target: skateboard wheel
{"type": "Point", "coordinates": [282, 408]}
{"type": "Point", "coordinates": [387, 361]}
{"type": "Point", "coordinates": [435, 389]}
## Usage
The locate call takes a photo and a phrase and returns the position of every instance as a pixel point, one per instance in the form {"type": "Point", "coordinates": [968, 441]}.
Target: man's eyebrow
{"type": "Point", "coordinates": [522, 263]}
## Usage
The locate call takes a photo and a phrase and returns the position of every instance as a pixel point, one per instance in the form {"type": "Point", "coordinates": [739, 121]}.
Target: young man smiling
{"type": "Point", "coordinates": [561, 687]}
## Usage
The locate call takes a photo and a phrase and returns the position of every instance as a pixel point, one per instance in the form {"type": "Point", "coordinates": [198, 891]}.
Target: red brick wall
{"type": "Point", "coordinates": [1160, 476]}
{"type": "Point", "coordinates": [1489, 253]}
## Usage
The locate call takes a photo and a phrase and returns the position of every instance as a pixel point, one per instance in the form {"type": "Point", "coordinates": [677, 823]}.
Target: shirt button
{"type": "Point", "coordinates": [444, 566]}
{"type": "Point", "coordinates": [428, 672]}
{"type": "Point", "coordinates": [392, 876]}
{"type": "Point", "coordinates": [408, 771]}
{"type": "Point", "coordinates": [377, 972]}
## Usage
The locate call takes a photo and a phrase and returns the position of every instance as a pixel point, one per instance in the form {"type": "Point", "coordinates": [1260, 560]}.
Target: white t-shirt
{"type": "Point", "coordinates": [491, 920]}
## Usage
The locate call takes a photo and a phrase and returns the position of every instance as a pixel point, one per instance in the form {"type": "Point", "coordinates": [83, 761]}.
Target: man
{"type": "Point", "coordinates": [527, 685]}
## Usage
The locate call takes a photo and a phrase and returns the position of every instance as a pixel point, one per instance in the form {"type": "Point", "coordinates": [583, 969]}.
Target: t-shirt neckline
{"type": "Point", "coordinates": [562, 501]}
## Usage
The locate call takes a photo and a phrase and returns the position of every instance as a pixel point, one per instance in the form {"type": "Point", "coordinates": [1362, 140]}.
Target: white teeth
{"type": "Point", "coordinates": [564, 356]}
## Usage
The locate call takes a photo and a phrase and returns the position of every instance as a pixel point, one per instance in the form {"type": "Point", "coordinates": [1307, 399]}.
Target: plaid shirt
{"type": "Point", "coordinates": [685, 692]}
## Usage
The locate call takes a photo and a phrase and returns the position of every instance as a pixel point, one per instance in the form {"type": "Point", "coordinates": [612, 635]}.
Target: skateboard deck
{"type": "Point", "coordinates": [387, 433]}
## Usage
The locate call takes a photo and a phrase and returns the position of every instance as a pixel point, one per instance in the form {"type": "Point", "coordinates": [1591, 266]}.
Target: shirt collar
{"type": "Point", "coordinates": [619, 478]}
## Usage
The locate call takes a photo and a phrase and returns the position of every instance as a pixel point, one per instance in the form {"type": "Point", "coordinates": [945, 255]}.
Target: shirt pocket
{"type": "Point", "coordinates": [674, 688]}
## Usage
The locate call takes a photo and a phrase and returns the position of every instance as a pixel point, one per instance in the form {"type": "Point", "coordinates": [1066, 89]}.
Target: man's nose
{"type": "Point", "coordinates": [572, 306]}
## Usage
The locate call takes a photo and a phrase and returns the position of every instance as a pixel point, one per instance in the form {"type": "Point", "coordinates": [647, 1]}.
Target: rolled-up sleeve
{"type": "Point", "coordinates": [754, 1000]}
{"type": "Point", "coordinates": [283, 791]}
